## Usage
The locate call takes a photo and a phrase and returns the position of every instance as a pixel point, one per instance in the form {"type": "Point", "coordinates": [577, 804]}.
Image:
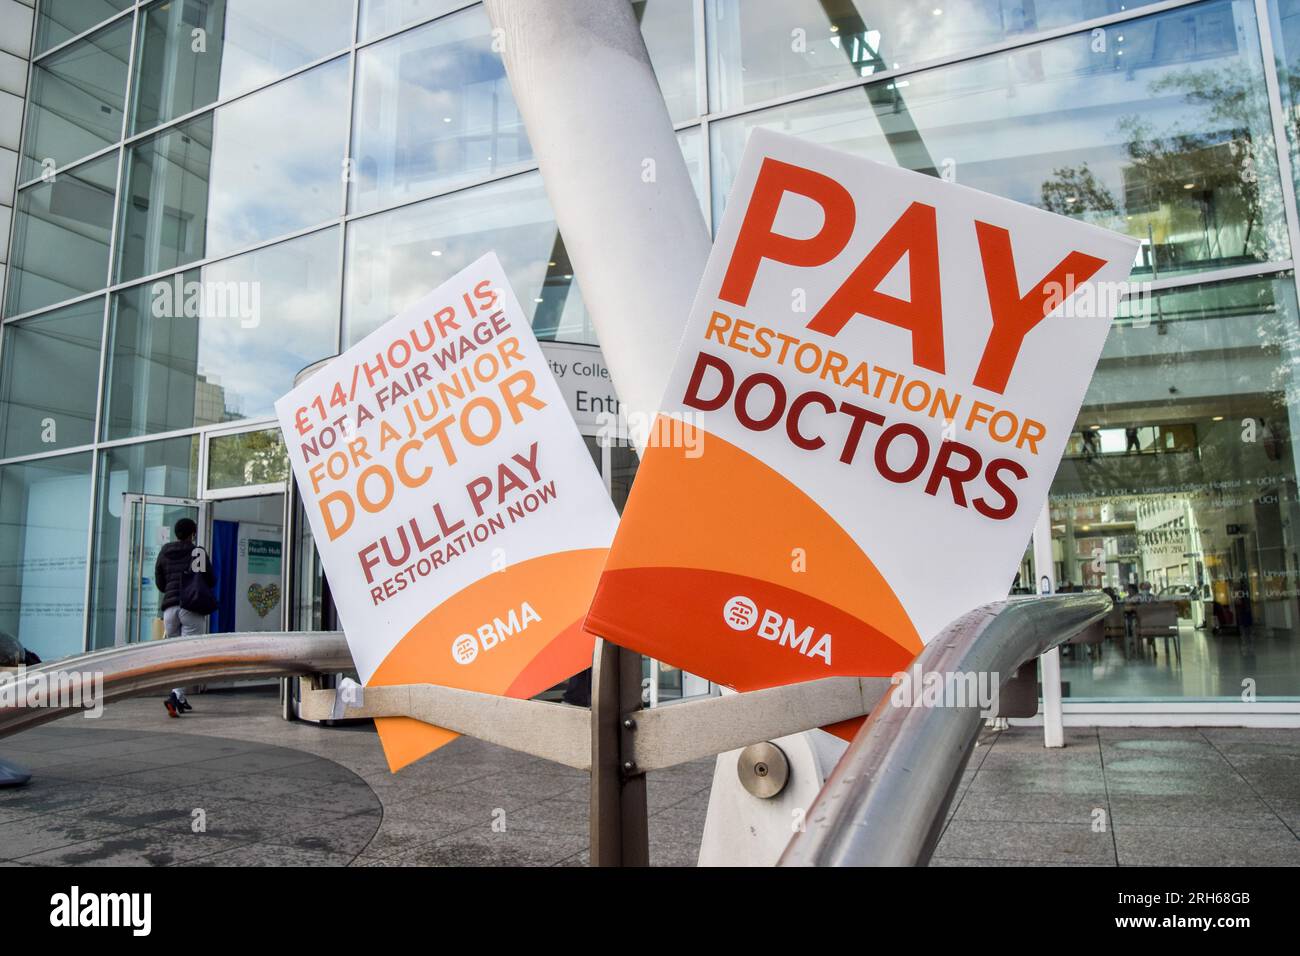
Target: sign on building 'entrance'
{"type": "Point", "coordinates": [884, 369]}
{"type": "Point", "coordinates": [585, 384]}
{"type": "Point", "coordinates": [457, 512]}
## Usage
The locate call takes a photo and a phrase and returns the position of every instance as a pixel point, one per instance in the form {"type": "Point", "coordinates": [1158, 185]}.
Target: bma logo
{"type": "Point", "coordinates": [741, 614]}
{"type": "Point", "coordinates": [465, 648]}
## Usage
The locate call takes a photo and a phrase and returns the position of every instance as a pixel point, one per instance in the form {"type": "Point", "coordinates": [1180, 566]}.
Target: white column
{"type": "Point", "coordinates": [615, 176]}
{"type": "Point", "coordinates": [1045, 575]}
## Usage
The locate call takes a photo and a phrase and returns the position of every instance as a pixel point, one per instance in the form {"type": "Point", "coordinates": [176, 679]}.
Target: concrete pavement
{"type": "Point", "coordinates": [232, 784]}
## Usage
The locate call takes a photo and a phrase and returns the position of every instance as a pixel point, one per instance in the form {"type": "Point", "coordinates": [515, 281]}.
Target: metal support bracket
{"type": "Point", "coordinates": [617, 741]}
{"type": "Point", "coordinates": [647, 739]}
{"type": "Point", "coordinates": [555, 732]}
{"type": "Point", "coordinates": [677, 733]}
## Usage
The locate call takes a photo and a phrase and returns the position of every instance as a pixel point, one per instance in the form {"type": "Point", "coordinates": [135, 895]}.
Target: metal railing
{"type": "Point", "coordinates": [161, 665]}
{"type": "Point", "coordinates": [885, 802]}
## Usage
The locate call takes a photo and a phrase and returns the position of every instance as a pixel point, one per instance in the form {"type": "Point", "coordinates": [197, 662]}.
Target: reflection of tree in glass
{"type": "Point", "coordinates": [1075, 191]}
{"type": "Point", "coordinates": [1206, 189]}
{"type": "Point", "coordinates": [256, 458]}
{"type": "Point", "coordinates": [1279, 339]}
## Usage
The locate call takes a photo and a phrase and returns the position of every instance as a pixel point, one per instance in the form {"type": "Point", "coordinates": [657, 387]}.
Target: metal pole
{"type": "Point", "coordinates": [884, 804]}
{"type": "Point", "coordinates": [615, 176]}
{"type": "Point", "coordinates": [620, 833]}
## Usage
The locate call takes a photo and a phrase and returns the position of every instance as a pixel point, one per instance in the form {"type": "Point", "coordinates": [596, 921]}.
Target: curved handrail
{"type": "Point", "coordinates": [160, 665]}
{"type": "Point", "coordinates": [884, 803]}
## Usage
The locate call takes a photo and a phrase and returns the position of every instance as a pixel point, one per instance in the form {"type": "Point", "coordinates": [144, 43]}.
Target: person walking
{"type": "Point", "coordinates": [184, 574]}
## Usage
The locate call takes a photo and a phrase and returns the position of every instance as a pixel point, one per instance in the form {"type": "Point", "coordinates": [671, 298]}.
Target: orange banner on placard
{"type": "Point", "coordinates": [536, 644]}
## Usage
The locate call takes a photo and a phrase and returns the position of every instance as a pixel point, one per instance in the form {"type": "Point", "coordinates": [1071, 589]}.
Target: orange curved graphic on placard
{"type": "Point", "coordinates": [748, 655]}
{"type": "Point", "coordinates": [727, 511]}
{"type": "Point", "coordinates": [517, 657]}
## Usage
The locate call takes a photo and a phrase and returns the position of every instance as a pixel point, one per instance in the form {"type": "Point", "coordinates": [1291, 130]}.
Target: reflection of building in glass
{"type": "Point", "coordinates": [210, 402]}
{"type": "Point", "coordinates": [339, 176]}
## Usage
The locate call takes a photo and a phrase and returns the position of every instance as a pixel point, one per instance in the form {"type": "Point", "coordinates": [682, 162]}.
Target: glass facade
{"type": "Point", "coordinates": [214, 196]}
{"type": "Point", "coordinates": [61, 232]}
{"type": "Point", "coordinates": [220, 343]}
{"type": "Point", "coordinates": [246, 459]}
{"type": "Point", "coordinates": [396, 257]}
{"type": "Point", "coordinates": [192, 55]}
{"type": "Point", "coordinates": [43, 516]}
{"type": "Point", "coordinates": [433, 110]}
{"type": "Point", "coordinates": [76, 100]}
{"type": "Point", "coordinates": [1182, 474]}
{"type": "Point", "coordinates": [168, 469]}
{"type": "Point", "coordinates": [60, 20]}
{"type": "Point", "coordinates": [1167, 123]}
{"type": "Point", "coordinates": [762, 50]}
{"type": "Point", "coordinates": [49, 372]}
{"type": "Point", "coordinates": [230, 178]}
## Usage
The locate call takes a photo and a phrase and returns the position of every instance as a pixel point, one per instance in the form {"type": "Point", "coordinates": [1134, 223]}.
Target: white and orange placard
{"type": "Point", "coordinates": [875, 387]}
{"type": "Point", "coordinates": [459, 517]}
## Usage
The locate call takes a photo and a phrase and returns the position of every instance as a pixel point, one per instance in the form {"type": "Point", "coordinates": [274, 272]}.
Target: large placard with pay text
{"type": "Point", "coordinates": [459, 517]}
{"type": "Point", "coordinates": [871, 398]}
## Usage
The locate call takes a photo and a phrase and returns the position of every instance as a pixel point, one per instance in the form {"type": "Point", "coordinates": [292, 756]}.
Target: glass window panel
{"type": "Point", "coordinates": [622, 469]}
{"type": "Point", "coordinates": [248, 458]}
{"type": "Point", "coordinates": [763, 49]}
{"type": "Point", "coordinates": [593, 448]}
{"type": "Point", "coordinates": [76, 101]}
{"type": "Point", "coordinates": [61, 236]}
{"type": "Point", "coordinates": [691, 143]}
{"type": "Point", "coordinates": [243, 328]}
{"type": "Point", "coordinates": [669, 30]}
{"type": "Point", "coordinates": [233, 178]}
{"type": "Point", "coordinates": [44, 512]}
{"type": "Point", "coordinates": [433, 110]}
{"type": "Point", "coordinates": [60, 20]}
{"type": "Point", "coordinates": [152, 382]}
{"type": "Point", "coordinates": [379, 17]}
{"type": "Point", "coordinates": [165, 200]}
{"type": "Point", "coordinates": [244, 44]}
{"type": "Point", "coordinates": [169, 467]}
{"type": "Point", "coordinates": [1285, 16]}
{"type": "Point", "coordinates": [1165, 136]}
{"type": "Point", "coordinates": [49, 376]}
{"type": "Point", "coordinates": [1182, 473]}
{"type": "Point", "coordinates": [396, 257]}
{"type": "Point", "coordinates": [312, 608]}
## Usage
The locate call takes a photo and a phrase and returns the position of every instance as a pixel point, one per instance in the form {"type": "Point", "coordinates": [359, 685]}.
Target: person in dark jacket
{"type": "Point", "coordinates": [174, 560]}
